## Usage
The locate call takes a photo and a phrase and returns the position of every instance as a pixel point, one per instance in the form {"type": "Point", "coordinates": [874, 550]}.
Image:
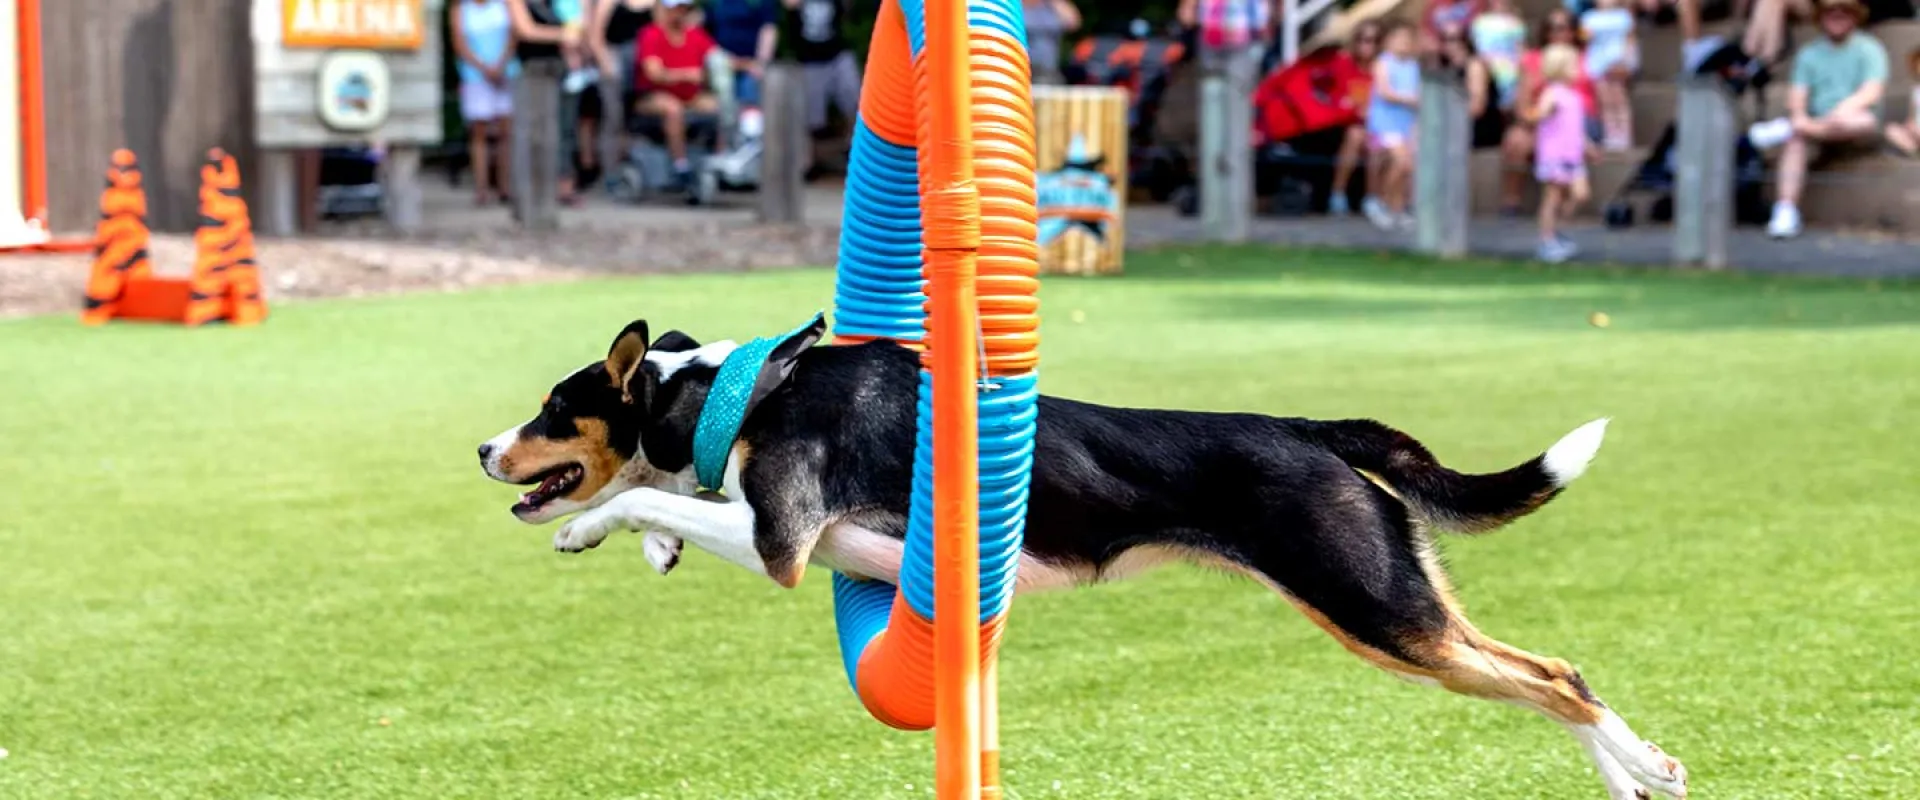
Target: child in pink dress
{"type": "Point", "coordinates": [1560, 149]}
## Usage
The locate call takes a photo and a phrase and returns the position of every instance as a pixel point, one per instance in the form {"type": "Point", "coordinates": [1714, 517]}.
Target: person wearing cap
{"type": "Point", "coordinates": [672, 76]}
{"type": "Point", "coordinates": [1838, 83]}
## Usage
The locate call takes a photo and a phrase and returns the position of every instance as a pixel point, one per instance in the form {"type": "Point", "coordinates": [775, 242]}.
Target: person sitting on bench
{"type": "Point", "coordinates": [672, 77]}
{"type": "Point", "coordinates": [1838, 83]}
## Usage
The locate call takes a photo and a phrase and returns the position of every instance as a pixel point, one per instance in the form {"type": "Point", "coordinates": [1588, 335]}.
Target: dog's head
{"type": "Point", "coordinates": [584, 446]}
{"type": "Point", "coordinates": [621, 423]}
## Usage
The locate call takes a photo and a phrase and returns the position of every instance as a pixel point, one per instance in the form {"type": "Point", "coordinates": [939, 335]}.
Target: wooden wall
{"type": "Point", "coordinates": [165, 78]}
{"type": "Point", "coordinates": [287, 88]}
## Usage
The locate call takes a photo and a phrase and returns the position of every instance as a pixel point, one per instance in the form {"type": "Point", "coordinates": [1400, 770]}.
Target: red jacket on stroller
{"type": "Point", "coordinates": [1323, 89]}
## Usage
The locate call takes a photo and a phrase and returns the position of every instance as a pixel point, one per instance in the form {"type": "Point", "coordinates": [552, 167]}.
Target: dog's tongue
{"type": "Point", "coordinates": [546, 486]}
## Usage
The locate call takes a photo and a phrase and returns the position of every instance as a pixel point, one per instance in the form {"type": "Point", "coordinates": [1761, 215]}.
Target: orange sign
{"type": "Point", "coordinates": [369, 24]}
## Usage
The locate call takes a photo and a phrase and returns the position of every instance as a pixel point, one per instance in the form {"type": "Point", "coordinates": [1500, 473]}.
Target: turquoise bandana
{"type": "Point", "coordinates": [727, 406]}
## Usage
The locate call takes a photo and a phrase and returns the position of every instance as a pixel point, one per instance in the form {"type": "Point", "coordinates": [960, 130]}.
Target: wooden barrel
{"type": "Point", "coordinates": [1082, 179]}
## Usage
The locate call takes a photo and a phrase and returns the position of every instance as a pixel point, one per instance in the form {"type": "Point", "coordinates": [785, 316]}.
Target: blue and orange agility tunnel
{"type": "Point", "coordinates": [939, 251]}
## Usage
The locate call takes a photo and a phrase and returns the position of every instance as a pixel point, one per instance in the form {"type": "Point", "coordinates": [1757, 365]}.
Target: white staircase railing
{"type": "Point", "coordinates": [1295, 17]}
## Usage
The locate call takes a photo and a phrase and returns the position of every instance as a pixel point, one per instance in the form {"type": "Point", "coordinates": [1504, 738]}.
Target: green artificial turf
{"type": "Point", "coordinates": [264, 563]}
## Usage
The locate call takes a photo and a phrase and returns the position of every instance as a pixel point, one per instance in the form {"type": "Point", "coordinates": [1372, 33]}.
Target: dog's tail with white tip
{"type": "Point", "coordinates": [1449, 499]}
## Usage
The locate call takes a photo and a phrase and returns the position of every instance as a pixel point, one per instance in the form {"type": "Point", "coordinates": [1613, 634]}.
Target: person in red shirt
{"type": "Point", "coordinates": [672, 75]}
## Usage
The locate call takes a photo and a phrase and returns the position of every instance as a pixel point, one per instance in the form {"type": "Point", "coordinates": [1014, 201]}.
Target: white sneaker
{"type": "Point", "coordinates": [1405, 222]}
{"type": "Point", "coordinates": [1377, 213]}
{"type": "Point", "coordinates": [1337, 205]}
{"type": "Point", "coordinates": [578, 80]}
{"type": "Point", "coordinates": [1556, 250]}
{"type": "Point", "coordinates": [1785, 223]}
{"type": "Point", "coordinates": [1693, 52]}
{"type": "Point", "coordinates": [1770, 133]}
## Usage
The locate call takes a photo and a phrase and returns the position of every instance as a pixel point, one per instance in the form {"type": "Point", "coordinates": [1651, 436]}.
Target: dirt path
{"type": "Point", "coordinates": [352, 262]}
{"type": "Point", "coordinates": [48, 284]}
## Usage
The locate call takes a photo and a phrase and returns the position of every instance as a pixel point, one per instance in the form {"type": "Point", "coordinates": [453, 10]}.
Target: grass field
{"type": "Point", "coordinates": [264, 563]}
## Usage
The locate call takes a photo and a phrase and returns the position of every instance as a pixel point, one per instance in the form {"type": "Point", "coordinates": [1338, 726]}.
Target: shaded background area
{"type": "Point", "coordinates": [167, 79]}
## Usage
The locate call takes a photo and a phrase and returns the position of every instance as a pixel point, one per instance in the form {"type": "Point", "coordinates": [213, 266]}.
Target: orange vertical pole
{"type": "Point", "coordinates": [951, 215]}
{"type": "Point", "coordinates": [990, 730]}
{"type": "Point", "coordinates": [33, 122]}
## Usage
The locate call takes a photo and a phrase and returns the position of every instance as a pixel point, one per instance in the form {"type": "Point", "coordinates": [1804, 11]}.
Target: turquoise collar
{"type": "Point", "coordinates": [728, 402]}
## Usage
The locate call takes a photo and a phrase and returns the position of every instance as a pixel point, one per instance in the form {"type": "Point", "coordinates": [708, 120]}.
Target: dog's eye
{"type": "Point", "coordinates": [554, 405]}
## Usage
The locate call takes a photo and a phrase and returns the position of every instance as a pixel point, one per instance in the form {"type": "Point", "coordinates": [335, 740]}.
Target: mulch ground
{"type": "Point", "coordinates": [352, 262]}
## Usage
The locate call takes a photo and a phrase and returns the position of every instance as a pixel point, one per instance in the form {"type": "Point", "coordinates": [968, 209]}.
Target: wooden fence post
{"type": "Point", "coordinates": [784, 142]}
{"type": "Point", "coordinates": [1704, 153]}
{"type": "Point", "coordinates": [401, 188]}
{"type": "Point", "coordinates": [279, 193]}
{"type": "Point", "coordinates": [1226, 144]}
{"type": "Point", "coordinates": [1441, 201]}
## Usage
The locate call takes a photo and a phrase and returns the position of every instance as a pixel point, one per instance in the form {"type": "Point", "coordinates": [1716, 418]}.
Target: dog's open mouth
{"type": "Point", "coordinates": [553, 483]}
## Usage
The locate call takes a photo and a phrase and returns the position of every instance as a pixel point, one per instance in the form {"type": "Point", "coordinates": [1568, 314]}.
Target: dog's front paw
{"type": "Point", "coordinates": [663, 551]}
{"type": "Point", "coordinates": [585, 532]}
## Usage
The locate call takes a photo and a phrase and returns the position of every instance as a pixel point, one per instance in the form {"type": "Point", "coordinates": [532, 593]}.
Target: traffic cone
{"type": "Point", "coordinates": [221, 242]}
{"type": "Point", "coordinates": [120, 249]}
{"type": "Point", "coordinates": [249, 305]}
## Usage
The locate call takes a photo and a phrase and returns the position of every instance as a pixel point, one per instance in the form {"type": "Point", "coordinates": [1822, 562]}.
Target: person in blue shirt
{"type": "Point", "coordinates": [483, 46]}
{"type": "Point", "coordinates": [748, 30]}
{"type": "Point", "coordinates": [1392, 112]}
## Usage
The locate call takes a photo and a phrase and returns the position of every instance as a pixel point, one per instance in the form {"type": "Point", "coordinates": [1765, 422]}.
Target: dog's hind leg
{"type": "Point", "coordinates": [1469, 662]}
{"type": "Point", "coordinates": [1361, 572]}
{"type": "Point", "coordinates": [1621, 784]}
{"type": "Point", "coordinates": [1436, 646]}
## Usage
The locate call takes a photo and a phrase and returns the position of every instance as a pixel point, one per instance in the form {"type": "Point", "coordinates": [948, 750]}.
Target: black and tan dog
{"type": "Point", "coordinates": [1334, 515]}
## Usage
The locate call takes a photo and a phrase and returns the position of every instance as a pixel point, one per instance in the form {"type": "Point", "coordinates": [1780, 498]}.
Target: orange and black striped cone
{"type": "Point", "coordinates": [120, 239]}
{"type": "Point", "coordinates": [220, 241]}
{"type": "Point", "coordinates": [243, 286]}
{"type": "Point", "coordinates": [243, 277]}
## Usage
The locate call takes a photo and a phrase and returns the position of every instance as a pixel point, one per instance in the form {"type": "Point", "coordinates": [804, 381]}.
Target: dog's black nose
{"type": "Point", "coordinates": [486, 452]}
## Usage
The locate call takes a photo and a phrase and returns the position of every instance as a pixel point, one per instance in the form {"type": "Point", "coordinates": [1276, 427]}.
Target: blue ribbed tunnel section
{"type": "Point", "coordinates": [879, 291]}
{"type": "Point", "coordinates": [880, 294]}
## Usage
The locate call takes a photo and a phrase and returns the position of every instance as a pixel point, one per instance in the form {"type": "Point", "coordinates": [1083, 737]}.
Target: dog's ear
{"type": "Point", "coordinates": [674, 342]}
{"type": "Point", "coordinates": [624, 358]}
{"type": "Point", "coordinates": [781, 361]}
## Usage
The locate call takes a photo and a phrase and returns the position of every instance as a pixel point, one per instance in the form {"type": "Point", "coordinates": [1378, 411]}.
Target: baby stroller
{"type": "Point", "coordinates": [1144, 66]}
{"type": "Point", "coordinates": [1653, 180]}
{"type": "Point", "coordinates": [647, 169]}
{"type": "Point", "coordinates": [1135, 62]}
{"type": "Point", "coordinates": [1301, 113]}
{"type": "Point", "coordinates": [350, 183]}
